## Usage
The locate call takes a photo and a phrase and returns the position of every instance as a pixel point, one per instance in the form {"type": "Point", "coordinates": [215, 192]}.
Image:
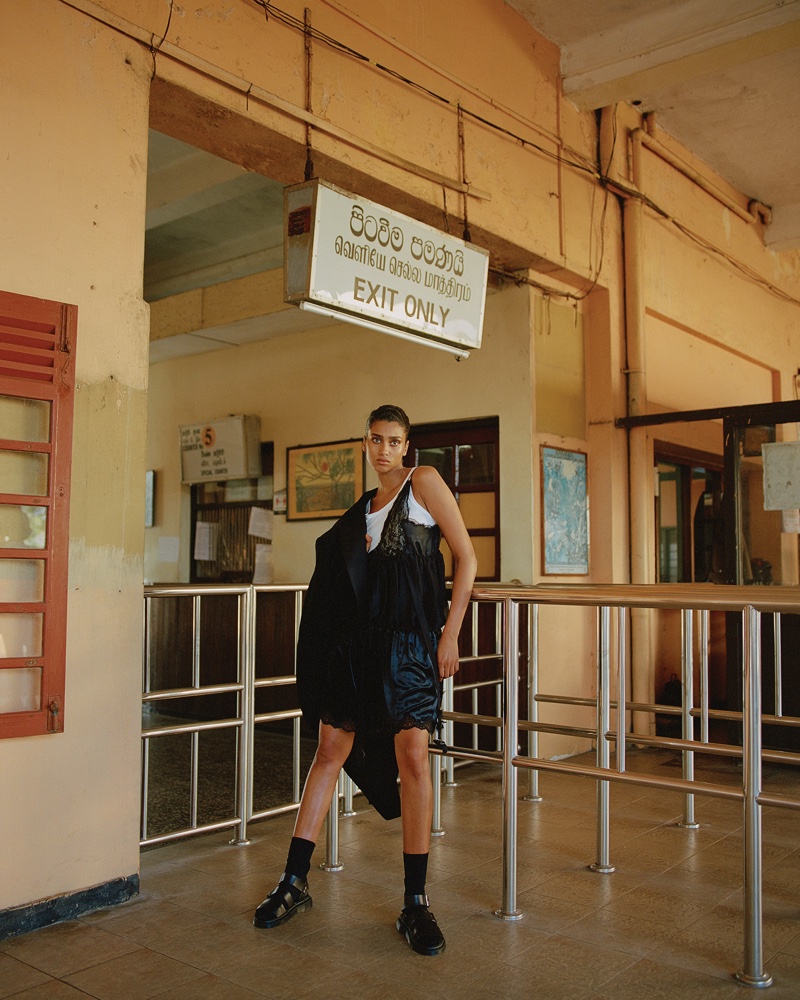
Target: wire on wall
{"type": "Point", "coordinates": [294, 22]}
{"type": "Point", "coordinates": [155, 47]}
{"type": "Point", "coordinates": [462, 149]}
{"type": "Point", "coordinates": [309, 168]}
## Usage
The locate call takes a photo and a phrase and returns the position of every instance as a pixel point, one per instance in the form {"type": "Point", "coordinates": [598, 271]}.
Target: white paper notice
{"type": "Point", "coordinates": [206, 536]}
{"type": "Point", "coordinates": [260, 522]}
{"type": "Point", "coordinates": [168, 548]}
{"type": "Point", "coordinates": [264, 571]}
{"type": "Point", "coordinates": [790, 522]}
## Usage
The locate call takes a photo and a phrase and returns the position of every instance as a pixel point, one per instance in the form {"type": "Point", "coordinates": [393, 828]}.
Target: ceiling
{"type": "Point", "coordinates": [722, 76]}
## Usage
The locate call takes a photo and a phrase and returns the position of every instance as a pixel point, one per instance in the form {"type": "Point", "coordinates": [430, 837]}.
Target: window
{"type": "Point", "coordinates": [37, 344]}
{"type": "Point", "coordinates": [466, 454]}
{"type": "Point", "coordinates": [227, 504]}
{"type": "Point", "coordinates": [688, 520]}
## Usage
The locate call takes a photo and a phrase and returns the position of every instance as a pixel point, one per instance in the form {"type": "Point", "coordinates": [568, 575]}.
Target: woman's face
{"type": "Point", "coordinates": [385, 446]}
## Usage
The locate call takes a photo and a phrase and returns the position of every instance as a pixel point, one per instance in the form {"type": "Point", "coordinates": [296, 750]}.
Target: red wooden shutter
{"type": "Point", "coordinates": [37, 385]}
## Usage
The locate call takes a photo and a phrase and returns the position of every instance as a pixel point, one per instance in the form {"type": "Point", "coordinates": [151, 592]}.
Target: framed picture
{"type": "Point", "coordinates": [565, 512]}
{"type": "Point", "coordinates": [323, 480]}
{"type": "Point", "coordinates": [149, 498]}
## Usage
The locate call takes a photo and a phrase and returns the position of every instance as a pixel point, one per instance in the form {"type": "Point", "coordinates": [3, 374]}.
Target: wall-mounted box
{"type": "Point", "coordinates": [227, 448]}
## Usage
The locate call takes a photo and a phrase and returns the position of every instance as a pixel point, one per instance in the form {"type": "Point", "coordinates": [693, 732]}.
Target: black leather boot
{"type": "Point", "coordinates": [419, 926]}
{"type": "Point", "coordinates": [290, 896]}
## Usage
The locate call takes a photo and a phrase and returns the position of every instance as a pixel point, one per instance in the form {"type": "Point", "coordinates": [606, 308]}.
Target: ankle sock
{"type": "Point", "coordinates": [298, 861]}
{"type": "Point", "coordinates": [416, 871]}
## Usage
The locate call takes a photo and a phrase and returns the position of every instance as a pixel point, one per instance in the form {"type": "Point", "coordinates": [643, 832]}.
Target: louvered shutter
{"type": "Point", "coordinates": [37, 344]}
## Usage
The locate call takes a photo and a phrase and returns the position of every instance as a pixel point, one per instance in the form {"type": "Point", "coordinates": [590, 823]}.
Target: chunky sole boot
{"type": "Point", "coordinates": [419, 926]}
{"type": "Point", "coordinates": [282, 903]}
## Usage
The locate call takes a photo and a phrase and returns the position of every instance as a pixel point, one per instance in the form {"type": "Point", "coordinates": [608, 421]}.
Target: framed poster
{"type": "Point", "coordinates": [565, 512]}
{"type": "Point", "coordinates": [323, 480]}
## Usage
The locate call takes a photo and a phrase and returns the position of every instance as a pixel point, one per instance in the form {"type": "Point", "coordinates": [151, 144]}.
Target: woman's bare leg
{"type": "Point", "coordinates": [416, 792]}
{"type": "Point", "coordinates": [332, 751]}
{"type": "Point", "coordinates": [291, 894]}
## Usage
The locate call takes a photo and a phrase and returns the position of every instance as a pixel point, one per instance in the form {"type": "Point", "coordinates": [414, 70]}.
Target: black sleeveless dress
{"type": "Point", "coordinates": [398, 674]}
{"type": "Point", "coordinates": [366, 654]}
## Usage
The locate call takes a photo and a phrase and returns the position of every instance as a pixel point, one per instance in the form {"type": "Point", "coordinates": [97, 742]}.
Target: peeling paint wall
{"type": "Point", "coordinates": [74, 126]}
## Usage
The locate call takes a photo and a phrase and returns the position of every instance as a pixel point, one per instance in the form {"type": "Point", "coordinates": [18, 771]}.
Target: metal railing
{"type": "Point", "coordinates": [750, 603]}
{"type": "Point", "coordinates": [244, 688]}
{"type": "Point", "coordinates": [612, 645]}
{"type": "Point", "coordinates": [250, 646]}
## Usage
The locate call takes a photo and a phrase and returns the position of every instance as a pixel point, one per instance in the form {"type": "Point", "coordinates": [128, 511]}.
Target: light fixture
{"type": "Point", "coordinates": [393, 331]}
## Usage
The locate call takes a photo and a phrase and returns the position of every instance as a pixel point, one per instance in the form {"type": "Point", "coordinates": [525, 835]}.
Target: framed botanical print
{"type": "Point", "coordinates": [323, 480]}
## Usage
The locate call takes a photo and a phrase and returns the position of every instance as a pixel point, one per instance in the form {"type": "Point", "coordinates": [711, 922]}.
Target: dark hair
{"type": "Point", "coordinates": [394, 414]}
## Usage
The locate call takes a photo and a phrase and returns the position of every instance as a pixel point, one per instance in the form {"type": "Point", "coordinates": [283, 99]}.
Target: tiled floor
{"type": "Point", "coordinates": [666, 924]}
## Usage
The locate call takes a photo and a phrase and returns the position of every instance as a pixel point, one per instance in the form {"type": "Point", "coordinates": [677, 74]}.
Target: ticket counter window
{"type": "Point", "coordinates": [226, 507]}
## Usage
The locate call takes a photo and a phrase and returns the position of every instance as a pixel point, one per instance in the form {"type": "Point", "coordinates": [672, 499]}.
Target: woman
{"type": "Point", "coordinates": [376, 640]}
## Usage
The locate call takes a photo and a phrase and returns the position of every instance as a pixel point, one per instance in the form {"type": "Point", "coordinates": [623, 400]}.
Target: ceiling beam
{"type": "Point", "coordinates": [640, 68]}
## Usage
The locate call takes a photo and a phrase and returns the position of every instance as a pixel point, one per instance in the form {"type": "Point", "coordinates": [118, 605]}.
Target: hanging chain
{"type": "Point", "coordinates": [464, 181]}
{"type": "Point", "coordinates": [309, 171]}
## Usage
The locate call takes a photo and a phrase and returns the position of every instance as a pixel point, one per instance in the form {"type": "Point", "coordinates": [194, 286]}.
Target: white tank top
{"type": "Point", "coordinates": [416, 513]}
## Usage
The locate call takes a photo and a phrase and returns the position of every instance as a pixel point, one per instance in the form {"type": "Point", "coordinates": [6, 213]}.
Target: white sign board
{"type": "Point", "coordinates": [365, 262]}
{"type": "Point", "coordinates": [781, 475]}
{"type": "Point", "coordinates": [228, 448]}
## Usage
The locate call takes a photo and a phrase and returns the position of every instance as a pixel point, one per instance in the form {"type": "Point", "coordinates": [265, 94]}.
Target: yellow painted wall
{"type": "Point", "coordinates": [319, 386]}
{"type": "Point", "coordinates": [74, 127]}
{"type": "Point", "coordinates": [74, 123]}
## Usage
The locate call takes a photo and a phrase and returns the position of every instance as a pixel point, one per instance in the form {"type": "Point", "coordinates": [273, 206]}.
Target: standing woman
{"type": "Point", "coordinates": [376, 640]}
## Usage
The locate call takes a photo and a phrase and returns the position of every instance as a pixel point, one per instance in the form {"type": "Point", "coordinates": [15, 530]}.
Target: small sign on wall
{"type": "Point", "coordinates": [781, 475]}
{"type": "Point", "coordinates": [228, 448]}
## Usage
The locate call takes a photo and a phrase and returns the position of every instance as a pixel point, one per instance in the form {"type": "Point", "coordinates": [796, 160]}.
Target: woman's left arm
{"type": "Point", "coordinates": [433, 493]}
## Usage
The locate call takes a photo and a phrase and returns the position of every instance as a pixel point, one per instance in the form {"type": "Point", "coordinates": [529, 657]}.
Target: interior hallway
{"type": "Point", "coordinates": [666, 924]}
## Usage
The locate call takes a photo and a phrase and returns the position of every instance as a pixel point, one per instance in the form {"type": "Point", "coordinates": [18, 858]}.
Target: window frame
{"type": "Point", "coordinates": [456, 433]}
{"type": "Point", "coordinates": [37, 350]}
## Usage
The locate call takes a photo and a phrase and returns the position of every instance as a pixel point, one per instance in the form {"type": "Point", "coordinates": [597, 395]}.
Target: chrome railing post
{"type": "Point", "coordinates": [194, 740]}
{"type": "Point", "coordinates": [622, 666]}
{"type": "Point", "coordinates": [246, 676]}
{"type": "Point", "coordinates": [508, 909]}
{"type": "Point", "coordinates": [347, 796]}
{"type": "Point", "coordinates": [436, 783]}
{"type": "Point", "coordinates": [533, 705]}
{"type": "Point", "coordinates": [704, 675]}
{"type": "Point", "coordinates": [447, 705]}
{"type": "Point", "coordinates": [753, 973]}
{"type": "Point", "coordinates": [145, 786]}
{"type": "Point", "coordinates": [603, 715]}
{"type": "Point", "coordinates": [296, 730]}
{"type": "Point", "coordinates": [776, 632]}
{"type": "Point", "coordinates": [332, 862]}
{"type": "Point", "coordinates": [196, 620]}
{"type": "Point", "coordinates": [687, 722]}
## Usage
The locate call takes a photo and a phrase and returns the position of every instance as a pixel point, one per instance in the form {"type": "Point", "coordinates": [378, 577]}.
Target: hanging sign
{"type": "Point", "coordinates": [352, 258]}
{"type": "Point", "coordinates": [228, 448]}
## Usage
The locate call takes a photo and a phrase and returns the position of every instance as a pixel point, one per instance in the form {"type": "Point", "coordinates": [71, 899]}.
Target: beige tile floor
{"type": "Point", "coordinates": [666, 924]}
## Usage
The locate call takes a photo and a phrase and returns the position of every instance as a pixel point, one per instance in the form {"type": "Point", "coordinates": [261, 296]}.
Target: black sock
{"type": "Point", "coordinates": [416, 870]}
{"type": "Point", "coordinates": [298, 861]}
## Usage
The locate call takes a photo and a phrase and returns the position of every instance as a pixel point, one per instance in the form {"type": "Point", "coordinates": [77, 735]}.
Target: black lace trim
{"type": "Point", "coordinates": [346, 725]}
{"type": "Point", "coordinates": [408, 722]}
{"type": "Point", "coordinates": [393, 536]}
